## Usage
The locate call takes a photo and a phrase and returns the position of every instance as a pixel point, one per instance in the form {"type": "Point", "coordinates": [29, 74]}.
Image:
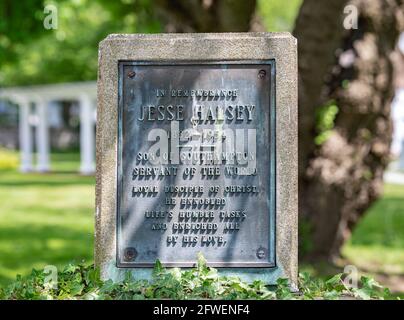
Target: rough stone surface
{"type": "Point", "coordinates": [193, 47]}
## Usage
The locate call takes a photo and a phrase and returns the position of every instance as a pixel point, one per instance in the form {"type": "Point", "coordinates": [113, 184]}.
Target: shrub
{"type": "Point", "coordinates": [8, 159]}
{"type": "Point", "coordinates": [201, 282]}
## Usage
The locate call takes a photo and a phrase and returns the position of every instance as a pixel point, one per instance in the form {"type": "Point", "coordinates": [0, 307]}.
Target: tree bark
{"type": "Point", "coordinates": [343, 176]}
{"type": "Point", "coordinates": [319, 31]}
{"type": "Point", "coordinates": [206, 15]}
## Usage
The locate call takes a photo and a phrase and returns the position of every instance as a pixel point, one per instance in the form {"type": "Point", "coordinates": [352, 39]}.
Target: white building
{"type": "Point", "coordinates": [37, 108]}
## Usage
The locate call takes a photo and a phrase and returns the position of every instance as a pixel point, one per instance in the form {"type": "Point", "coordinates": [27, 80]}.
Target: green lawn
{"type": "Point", "coordinates": [377, 244]}
{"type": "Point", "coordinates": [65, 162]}
{"type": "Point", "coordinates": [47, 219]}
{"type": "Point", "coordinates": [376, 247]}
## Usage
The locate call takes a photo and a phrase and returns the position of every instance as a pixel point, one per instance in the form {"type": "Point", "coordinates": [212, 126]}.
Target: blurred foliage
{"type": "Point", "coordinates": [278, 15]}
{"type": "Point", "coordinates": [30, 54]}
{"type": "Point", "coordinates": [8, 159]}
{"type": "Point", "coordinates": [19, 21]}
{"type": "Point", "coordinates": [325, 117]}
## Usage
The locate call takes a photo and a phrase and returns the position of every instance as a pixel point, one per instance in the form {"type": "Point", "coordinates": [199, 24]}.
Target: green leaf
{"type": "Point", "coordinates": [369, 282]}
{"type": "Point", "coordinates": [331, 295]}
{"type": "Point", "coordinates": [201, 263]}
{"type": "Point", "coordinates": [92, 277]}
{"type": "Point", "coordinates": [158, 268]}
{"type": "Point", "coordinates": [361, 293]}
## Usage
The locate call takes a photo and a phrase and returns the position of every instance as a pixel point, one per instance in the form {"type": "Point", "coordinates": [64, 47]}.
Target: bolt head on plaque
{"type": "Point", "coordinates": [261, 253]}
{"type": "Point", "coordinates": [130, 254]}
{"type": "Point", "coordinates": [262, 74]}
{"type": "Point", "coordinates": [131, 74]}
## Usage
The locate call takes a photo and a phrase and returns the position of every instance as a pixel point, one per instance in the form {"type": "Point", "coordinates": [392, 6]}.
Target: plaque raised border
{"type": "Point", "coordinates": [271, 261]}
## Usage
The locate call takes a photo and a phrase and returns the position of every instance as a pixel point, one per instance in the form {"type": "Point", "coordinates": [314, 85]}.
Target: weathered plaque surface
{"type": "Point", "coordinates": [196, 164]}
{"type": "Point", "coordinates": [197, 152]}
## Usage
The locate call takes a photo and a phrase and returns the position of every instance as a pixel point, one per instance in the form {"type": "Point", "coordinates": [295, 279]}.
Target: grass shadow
{"type": "Point", "coordinates": [36, 246]}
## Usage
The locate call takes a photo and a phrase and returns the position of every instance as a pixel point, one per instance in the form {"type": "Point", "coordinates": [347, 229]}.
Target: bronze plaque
{"type": "Point", "coordinates": [196, 163]}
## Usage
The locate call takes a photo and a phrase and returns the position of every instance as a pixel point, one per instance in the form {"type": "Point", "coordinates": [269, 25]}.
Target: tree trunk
{"type": "Point", "coordinates": [342, 176]}
{"type": "Point", "coordinates": [206, 15]}
{"type": "Point", "coordinates": [351, 71]}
